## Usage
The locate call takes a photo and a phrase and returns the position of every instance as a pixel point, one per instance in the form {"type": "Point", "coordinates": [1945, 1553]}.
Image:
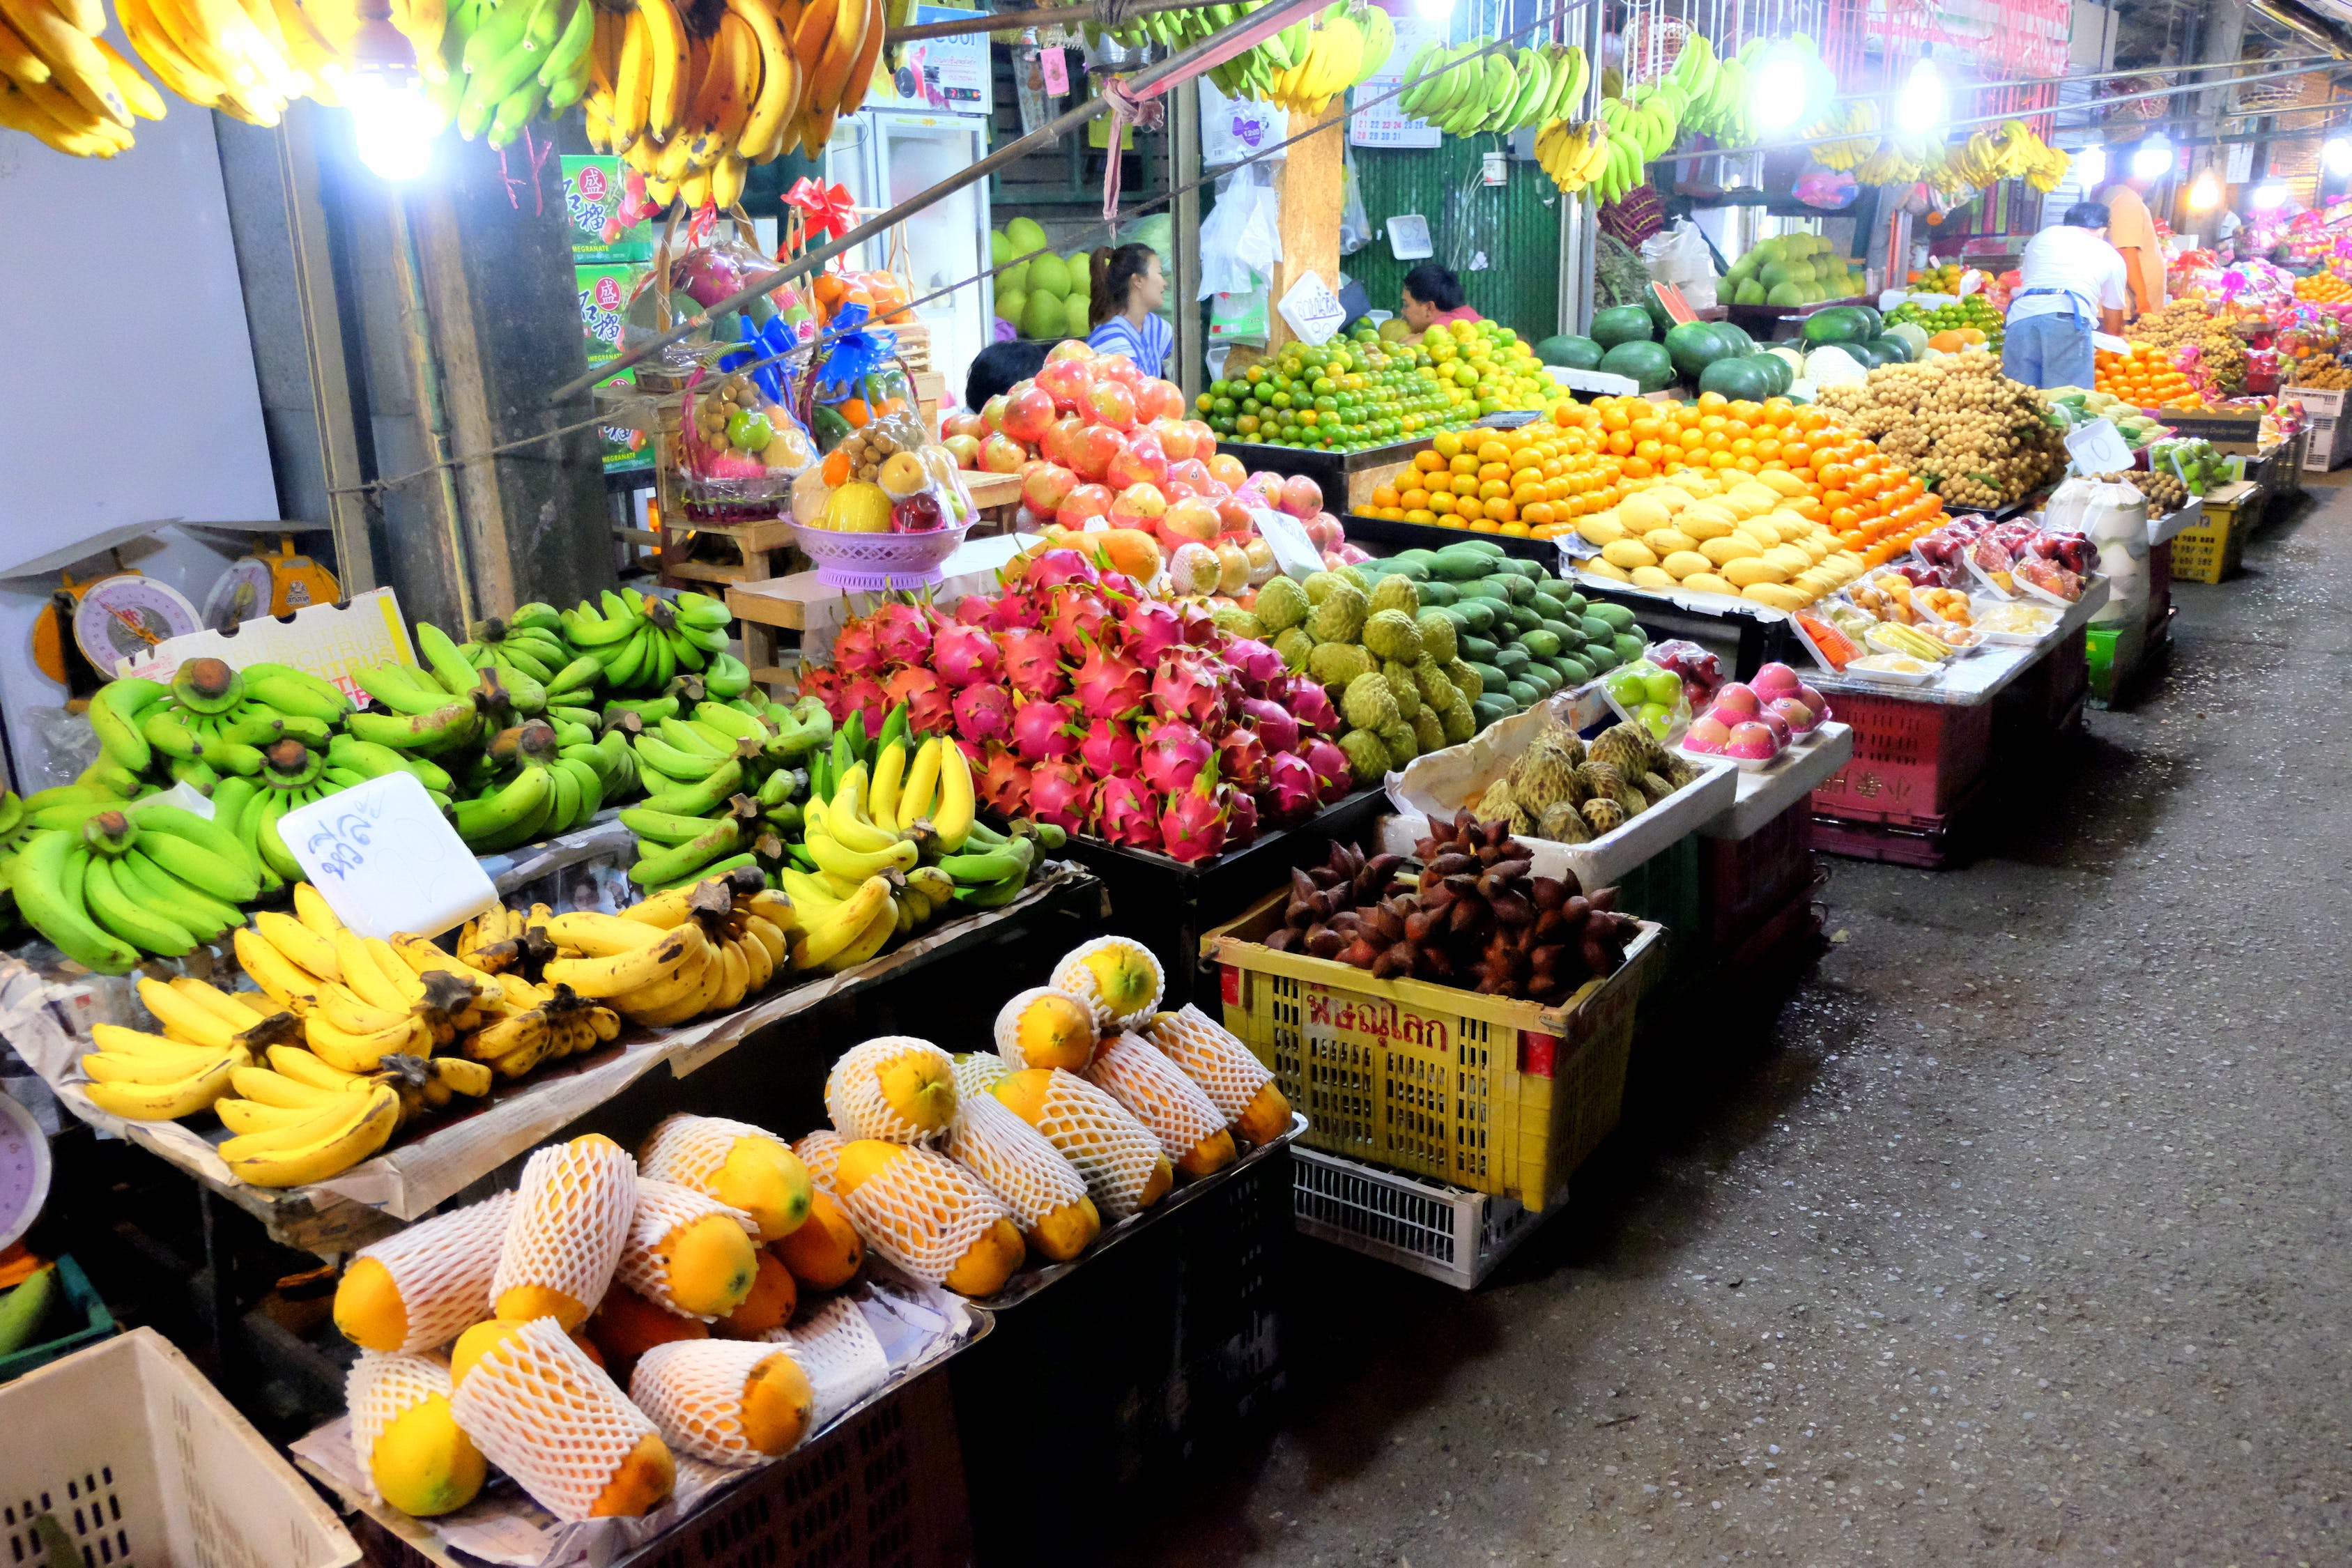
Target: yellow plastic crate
{"type": "Point", "coordinates": [1501, 1097]}
{"type": "Point", "coordinates": [2209, 553]}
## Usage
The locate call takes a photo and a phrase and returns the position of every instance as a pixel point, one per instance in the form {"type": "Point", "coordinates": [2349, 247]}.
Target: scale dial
{"type": "Point", "coordinates": [103, 619]}
{"type": "Point", "coordinates": [23, 1170]}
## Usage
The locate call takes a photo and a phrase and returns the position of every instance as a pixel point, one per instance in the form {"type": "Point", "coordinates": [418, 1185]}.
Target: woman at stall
{"type": "Point", "coordinates": [1122, 311]}
{"type": "Point", "coordinates": [1433, 296]}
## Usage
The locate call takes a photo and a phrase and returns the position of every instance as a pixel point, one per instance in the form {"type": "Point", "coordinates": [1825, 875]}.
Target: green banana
{"type": "Point", "coordinates": [48, 881]}
{"type": "Point", "coordinates": [146, 929]}
{"type": "Point", "coordinates": [510, 817]}
{"type": "Point", "coordinates": [684, 859]}
{"type": "Point", "coordinates": [114, 715]}
{"type": "Point", "coordinates": [702, 797]}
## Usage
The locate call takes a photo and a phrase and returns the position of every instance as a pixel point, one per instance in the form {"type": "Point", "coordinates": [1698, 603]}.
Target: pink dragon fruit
{"type": "Point", "coordinates": [1258, 665]}
{"type": "Point", "coordinates": [928, 707]}
{"type": "Point", "coordinates": [902, 633]}
{"type": "Point", "coordinates": [1192, 824]}
{"type": "Point", "coordinates": [1003, 785]}
{"type": "Point", "coordinates": [1111, 685]}
{"type": "Point", "coordinates": [1052, 568]}
{"type": "Point", "coordinates": [1291, 792]}
{"type": "Point", "coordinates": [1032, 664]}
{"type": "Point", "coordinates": [965, 654]}
{"type": "Point", "coordinates": [1061, 793]}
{"type": "Point", "coordinates": [1194, 685]}
{"type": "Point", "coordinates": [1240, 757]}
{"type": "Point", "coordinates": [855, 652]}
{"type": "Point", "coordinates": [975, 610]}
{"type": "Point", "coordinates": [1199, 627]}
{"type": "Point", "coordinates": [1015, 611]}
{"type": "Point", "coordinates": [1110, 747]}
{"type": "Point", "coordinates": [1274, 726]}
{"type": "Point", "coordinates": [1119, 584]}
{"type": "Point", "coordinates": [1241, 815]}
{"type": "Point", "coordinates": [1173, 755]}
{"type": "Point", "coordinates": [1043, 729]}
{"type": "Point", "coordinates": [864, 695]}
{"type": "Point", "coordinates": [1311, 705]}
{"type": "Point", "coordinates": [820, 681]}
{"type": "Point", "coordinates": [1332, 774]}
{"type": "Point", "coordinates": [984, 715]}
{"type": "Point", "coordinates": [1080, 619]}
{"type": "Point", "coordinates": [1126, 812]}
{"type": "Point", "coordinates": [1152, 628]}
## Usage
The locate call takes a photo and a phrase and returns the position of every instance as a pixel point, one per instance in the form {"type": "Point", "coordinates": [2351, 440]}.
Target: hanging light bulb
{"type": "Point", "coordinates": [2337, 153]}
{"type": "Point", "coordinates": [392, 124]}
{"type": "Point", "coordinates": [1780, 88]}
{"type": "Point", "coordinates": [2268, 196]}
{"type": "Point", "coordinates": [2204, 192]}
{"type": "Point", "coordinates": [1436, 10]}
{"type": "Point", "coordinates": [2154, 157]}
{"type": "Point", "coordinates": [1924, 105]}
{"type": "Point", "coordinates": [2090, 168]}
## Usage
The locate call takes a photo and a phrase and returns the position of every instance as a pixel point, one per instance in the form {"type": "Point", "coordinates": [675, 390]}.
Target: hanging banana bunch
{"type": "Point", "coordinates": [503, 61]}
{"type": "Point", "coordinates": [63, 84]}
{"type": "Point", "coordinates": [1506, 91]}
{"type": "Point", "coordinates": [1342, 51]}
{"type": "Point", "coordinates": [1857, 125]}
{"type": "Point", "coordinates": [1574, 156]}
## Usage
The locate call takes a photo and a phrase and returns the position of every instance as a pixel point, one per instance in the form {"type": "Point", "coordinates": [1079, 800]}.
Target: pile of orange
{"type": "Point", "coordinates": [2145, 378]}
{"type": "Point", "coordinates": [1544, 474]}
{"type": "Point", "coordinates": [2326, 287]}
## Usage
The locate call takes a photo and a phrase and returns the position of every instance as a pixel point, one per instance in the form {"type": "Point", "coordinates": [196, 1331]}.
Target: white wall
{"type": "Point", "coordinates": [130, 395]}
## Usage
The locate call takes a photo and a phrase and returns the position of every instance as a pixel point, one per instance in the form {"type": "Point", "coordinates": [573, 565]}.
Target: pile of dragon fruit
{"type": "Point", "coordinates": [2005, 553]}
{"type": "Point", "coordinates": [1083, 701]}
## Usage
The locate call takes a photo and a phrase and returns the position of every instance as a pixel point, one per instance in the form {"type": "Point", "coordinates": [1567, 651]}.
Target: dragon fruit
{"type": "Point", "coordinates": [1274, 726]}
{"type": "Point", "coordinates": [1192, 824]}
{"type": "Point", "coordinates": [1291, 792]}
{"type": "Point", "coordinates": [1198, 626]}
{"type": "Point", "coordinates": [1241, 815]}
{"type": "Point", "coordinates": [1061, 793]}
{"type": "Point", "coordinates": [902, 633]}
{"type": "Point", "coordinates": [1257, 664]}
{"type": "Point", "coordinates": [820, 681]}
{"type": "Point", "coordinates": [1031, 664]}
{"type": "Point", "coordinates": [1052, 568]}
{"type": "Point", "coordinates": [1120, 586]}
{"type": "Point", "coordinates": [1079, 618]}
{"type": "Point", "coordinates": [929, 706]}
{"type": "Point", "coordinates": [1332, 774]}
{"type": "Point", "coordinates": [1003, 785]}
{"type": "Point", "coordinates": [864, 695]}
{"type": "Point", "coordinates": [1126, 812]}
{"type": "Point", "coordinates": [975, 610]}
{"type": "Point", "coordinates": [1311, 705]}
{"type": "Point", "coordinates": [1173, 755]}
{"type": "Point", "coordinates": [1152, 628]}
{"type": "Point", "coordinates": [1110, 747]}
{"type": "Point", "coordinates": [1111, 685]}
{"type": "Point", "coordinates": [854, 651]}
{"type": "Point", "coordinates": [1194, 685]}
{"type": "Point", "coordinates": [965, 654]}
{"type": "Point", "coordinates": [1240, 757]}
{"type": "Point", "coordinates": [1015, 611]}
{"type": "Point", "coordinates": [1042, 730]}
{"type": "Point", "coordinates": [983, 714]}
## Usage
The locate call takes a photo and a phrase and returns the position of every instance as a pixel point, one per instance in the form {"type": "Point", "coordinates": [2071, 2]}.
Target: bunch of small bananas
{"type": "Point", "coordinates": [730, 778]}
{"type": "Point", "coordinates": [641, 643]}
{"type": "Point", "coordinates": [63, 84]}
{"type": "Point", "coordinates": [1342, 51]}
{"type": "Point", "coordinates": [499, 62]}
{"type": "Point", "coordinates": [1717, 101]}
{"type": "Point", "coordinates": [1573, 155]}
{"type": "Point", "coordinates": [1508, 91]}
{"type": "Point", "coordinates": [1856, 126]}
{"type": "Point", "coordinates": [2013, 152]}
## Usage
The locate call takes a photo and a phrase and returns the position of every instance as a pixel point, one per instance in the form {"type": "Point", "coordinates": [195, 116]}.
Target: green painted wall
{"type": "Point", "coordinates": [1516, 223]}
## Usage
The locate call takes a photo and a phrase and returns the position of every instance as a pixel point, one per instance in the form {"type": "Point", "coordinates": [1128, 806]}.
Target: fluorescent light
{"type": "Point", "coordinates": [1779, 88]}
{"type": "Point", "coordinates": [2154, 157]}
{"type": "Point", "coordinates": [2268, 196]}
{"type": "Point", "coordinates": [2091, 169]}
{"type": "Point", "coordinates": [1436, 10]}
{"type": "Point", "coordinates": [2337, 152]}
{"type": "Point", "coordinates": [1923, 106]}
{"type": "Point", "coordinates": [2205, 192]}
{"type": "Point", "coordinates": [391, 121]}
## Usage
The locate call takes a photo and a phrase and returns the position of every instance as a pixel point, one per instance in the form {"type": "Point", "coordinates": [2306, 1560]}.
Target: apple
{"type": "Point", "coordinates": [1204, 441]}
{"type": "Point", "coordinates": [1143, 463]}
{"type": "Point", "coordinates": [1174, 437]}
{"type": "Point", "coordinates": [1066, 381]}
{"type": "Point", "coordinates": [1195, 473]}
{"type": "Point", "coordinates": [1046, 485]}
{"type": "Point", "coordinates": [1735, 701]}
{"type": "Point", "coordinates": [966, 448]}
{"type": "Point", "coordinates": [1138, 506]}
{"type": "Point", "coordinates": [1028, 412]}
{"type": "Point", "coordinates": [1176, 490]}
{"type": "Point", "coordinates": [1301, 497]}
{"type": "Point", "coordinates": [1324, 532]}
{"type": "Point", "coordinates": [1233, 515]}
{"type": "Point", "coordinates": [1082, 506]}
{"type": "Point", "coordinates": [1233, 567]}
{"type": "Point", "coordinates": [1775, 680]}
{"type": "Point", "coordinates": [1001, 454]}
{"type": "Point", "coordinates": [962, 422]}
{"type": "Point", "coordinates": [1157, 399]}
{"type": "Point", "coordinates": [1665, 686]}
{"type": "Point", "coordinates": [1055, 445]}
{"type": "Point", "coordinates": [1226, 468]}
{"type": "Point", "coordinates": [1188, 519]}
{"type": "Point", "coordinates": [1070, 349]}
{"type": "Point", "coordinates": [1707, 733]}
{"type": "Point", "coordinates": [1092, 449]}
{"type": "Point", "coordinates": [1112, 402]}
{"type": "Point", "coordinates": [1120, 369]}
{"type": "Point", "coordinates": [992, 413]}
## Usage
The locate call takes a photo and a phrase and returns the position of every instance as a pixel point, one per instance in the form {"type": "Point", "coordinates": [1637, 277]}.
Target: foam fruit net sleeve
{"type": "Point", "coordinates": [923, 1212]}
{"type": "Point", "coordinates": [691, 1150]}
{"type": "Point", "coordinates": [854, 1101]}
{"type": "Point", "coordinates": [542, 1411]}
{"type": "Point", "coordinates": [820, 1150]}
{"type": "Point", "coordinates": [1007, 1031]}
{"type": "Point", "coordinates": [571, 1216]}
{"type": "Point", "coordinates": [1014, 1159]}
{"type": "Point", "coordinates": [974, 1071]}
{"type": "Point", "coordinates": [1115, 1152]}
{"type": "Point", "coordinates": [442, 1267]}
{"type": "Point", "coordinates": [662, 1208]}
{"type": "Point", "coordinates": [1073, 976]}
{"type": "Point", "coordinates": [840, 1355]}
{"type": "Point", "coordinates": [1211, 1057]}
{"type": "Point", "coordinates": [693, 1390]}
{"type": "Point", "coordinates": [378, 1388]}
{"type": "Point", "coordinates": [1156, 1090]}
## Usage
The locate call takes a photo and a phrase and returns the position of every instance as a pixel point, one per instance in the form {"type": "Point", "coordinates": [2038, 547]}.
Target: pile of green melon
{"type": "Point", "coordinates": [1792, 269]}
{"type": "Point", "coordinates": [1045, 296]}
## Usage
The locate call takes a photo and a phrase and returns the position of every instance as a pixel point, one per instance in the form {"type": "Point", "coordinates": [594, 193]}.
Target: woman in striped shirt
{"type": "Point", "coordinates": [1121, 310]}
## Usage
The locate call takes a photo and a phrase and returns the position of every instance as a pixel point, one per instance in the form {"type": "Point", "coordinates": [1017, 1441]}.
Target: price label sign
{"type": "Point", "coordinates": [1287, 537]}
{"type": "Point", "coordinates": [1313, 311]}
{"type": "Point", "coordinates": [2098, 448]}
{"type": "Point", "coordinates": [386, 860]}
{"type": "Point", "coordinates": [1054, 66]}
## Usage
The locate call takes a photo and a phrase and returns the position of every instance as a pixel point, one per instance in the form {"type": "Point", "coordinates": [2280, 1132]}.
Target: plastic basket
{"type": "Point", "coordinates": [1499, 1096]}
{"type": "Point", "coordinates": [2209, 553]}
{"type": "Point", "coordinates": [1666, 888]}
{"type": "Point", "coordinates": [142, 1461]}
{"type": "Point", "coordinates": [1912, 760]}
{"type": "Point", "coordinates": [1444, 1233]}
{"type": "Point", "coordinates": [78, 1304]}
{"type": "Point", "coordinates": [869, 563]}
{"type": "Point", "coordinates": [1746, 882]}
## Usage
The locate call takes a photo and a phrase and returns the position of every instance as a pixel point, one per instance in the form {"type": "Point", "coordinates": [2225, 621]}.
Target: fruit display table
{"type": "Point", "coordinates": [802, 604]}
{"type": "Point", "coordinates": [1745, 636]}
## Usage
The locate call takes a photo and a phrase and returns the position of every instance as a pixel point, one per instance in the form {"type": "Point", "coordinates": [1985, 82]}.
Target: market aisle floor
{"type": "Point", "coordinates": [2023, 1237]}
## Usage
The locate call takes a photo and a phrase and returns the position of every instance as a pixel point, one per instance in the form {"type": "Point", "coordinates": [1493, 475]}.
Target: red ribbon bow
{"type": "Point", "coordinates": [825, 209]}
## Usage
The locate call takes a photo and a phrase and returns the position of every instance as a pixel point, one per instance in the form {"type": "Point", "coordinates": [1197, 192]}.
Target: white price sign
{"type": "Point", "coordinates": [1313, 311]}
{"type": "Point", "coordinates": [2098, 448]}
{"type": "Point", "coordinates": [1287, 537]}
{"type": "Point", "coordinates": [386, 860]}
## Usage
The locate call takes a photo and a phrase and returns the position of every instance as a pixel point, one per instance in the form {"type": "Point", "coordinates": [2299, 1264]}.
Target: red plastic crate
{"type": "Point", "coordinates": [1745, 881]}
{"type": "Point", "coordinates": [1912, 760]}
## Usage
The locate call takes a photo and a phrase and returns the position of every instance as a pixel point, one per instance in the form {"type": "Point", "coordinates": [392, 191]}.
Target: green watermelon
{"type": "Point", "coordinates": [1661, 320]}
{"type": "Point", "coordinates": [1646, 362]}
{"type": "Point", "coordinates": [1867, 354]}
{"type": "Point", "coordinates": [1620, 324]}
{"type": "Point", "coordinates": [1738, 379]}
{"type": "Point", "coordinates": [1774, 367]}
{"type": "Point", "coordinates": [1841, 324]}
{"type": "Point", "coordinates": [1695, 346]}
{"type": "Point", "coordinates": [1737, 336]}
{"type": "Point", "coordinates": [1568, 349]}
{"type": "Point", "coordinates": [1897, 351]}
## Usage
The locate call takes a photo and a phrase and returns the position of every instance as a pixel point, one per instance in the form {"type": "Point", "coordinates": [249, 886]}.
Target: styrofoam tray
{"type": "Point", "coordinates": [1607, 859]}
{"type": "Point", "coordinates": [1763, 796]}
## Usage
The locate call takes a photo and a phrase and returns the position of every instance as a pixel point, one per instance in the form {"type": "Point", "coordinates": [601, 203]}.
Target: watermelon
{"type": "Point", "coordinates": [1841, 324]}
{"type": "Point", "coordinates": [1738, 379]}
{"type": "Point", "coordinates": [1569, 350]}
{"type": "Point", "coordinates": [1646, 362]}
{"type": "Point", "coordinates": [1894, 350]}
{"type": "Point", "coordinates": [1661, 320]}
{"type": "Point", "coordinates": [1867, 354]}
{"type": "Point", "coordinates": [1737, 336]}
{"type": "Point", "coordinates": [1620, 324]}
{"type": "Point", "coordinates": [1773, 366]}
{"type": "Point", "coordinates": [1695, 346]}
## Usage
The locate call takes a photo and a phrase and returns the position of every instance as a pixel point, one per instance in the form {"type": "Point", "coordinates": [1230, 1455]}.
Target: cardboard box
{"type": "Point", "coordinates": [591, 192]}
{"type": "Point", "coordinates": [603, 291]}
{"type": "Point", "coordinates": [623, 449]}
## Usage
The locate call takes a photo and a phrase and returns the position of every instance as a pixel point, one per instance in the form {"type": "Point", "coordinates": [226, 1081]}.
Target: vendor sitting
{"type": "Point", "coordinates": [2071, 282]}
{"type": "Point", "coordinates": [1432, 297]}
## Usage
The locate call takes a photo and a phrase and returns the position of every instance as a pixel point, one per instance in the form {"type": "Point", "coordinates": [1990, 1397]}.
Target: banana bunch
{"type": "Point", "coordinates": [444, 705]}
{"type": "Point", "coordinates": [206, 1033]}
{"type": "Point", "coordinates": [530, 644]}
{"type": "Point", "coordinates": [1857, 126]}
{"type": "Point", "coordinates": [1573, 155]}
{"type": "Point", "coordinates": [211, 723]}
{"type": "Point", "coordinates": [1503, 92]}
{"type": "Point", "coordinates": [1634, 136]}
{"type": "Point", "coordinates": [697, 948]}
{"type": "Point", "coordinates": [63, 84]}
{"type": "Point", "coordinates": [527, 785]}
{"type": "Point", "coordinates": [1717, 93]}
{"type": "Point", "coordinates": [2019, 153]}
{"type": "Point", "coordinates": [15, 822]}
{"type": "Point", "coordinates": [1892, 162]}
{"type": "Point", "coordinates": [730, 782]}
{"type": "Point", "coordinates": [126, 880]}
{"type": "Point", "coordinates": [1248, 75]}
{"type": "Point", "coordinates": [1343, 50]}
{"type": "Point", "coordinates": [500, 62]}
{"type": "Point", "coordinates": [641, 643]}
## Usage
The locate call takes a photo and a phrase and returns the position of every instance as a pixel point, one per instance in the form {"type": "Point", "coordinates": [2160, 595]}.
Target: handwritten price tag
{"type": "Point", "coordinates": [1294, 552]}
{"type": "Point", "coordinates": [386, 860]}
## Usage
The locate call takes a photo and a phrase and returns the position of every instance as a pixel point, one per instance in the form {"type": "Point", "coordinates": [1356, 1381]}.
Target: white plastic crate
{"type": "Point", "coordinates": [142, 1461]}
{"type": "Point", "coordinates": [1448, 1233]}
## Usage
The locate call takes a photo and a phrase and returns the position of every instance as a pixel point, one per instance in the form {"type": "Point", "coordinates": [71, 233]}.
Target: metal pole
{"type": "Point", "coordinates": [1183, 177]}
{"type": "Point", "coordinates": [1051, 16]}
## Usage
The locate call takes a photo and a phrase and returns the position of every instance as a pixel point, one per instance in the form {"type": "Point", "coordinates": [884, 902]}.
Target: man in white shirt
{"type": "Point", "coordinates": [2070, 281]}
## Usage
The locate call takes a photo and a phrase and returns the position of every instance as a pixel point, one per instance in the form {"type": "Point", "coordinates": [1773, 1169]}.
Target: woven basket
{"type": "Point", "coordinates": [870, 563]}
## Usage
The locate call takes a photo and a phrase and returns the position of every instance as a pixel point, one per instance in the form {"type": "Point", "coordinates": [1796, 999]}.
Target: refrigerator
{"type": "Point", "coordinates": [884, 156]}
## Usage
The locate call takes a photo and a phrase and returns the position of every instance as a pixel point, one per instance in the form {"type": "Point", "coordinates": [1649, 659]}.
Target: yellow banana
{"type": "Point", "coordinates": [617, 974]}
{"type": "Point", "coordinates": [287, 984]}
{"type": "Point", "coordinates": [164, 1102]}
{"type": "Point", "coordinates": [594, 935]}
{"type": "Point", "coordinates": [831, 855]}
{"type": "Point", "coordinates": [155, 1066]}
{"type": "Point", "coordinates": [300, 945]}
{"type": "Point", "coordinates": [337, 1148]}
{"type": "Point", "coordinates": [258, 1115]}
{"type": "Point", "coordinates": [865, 944]}
{"type": "Point", "coordinates": [363, 975]}
{"type": "Point", "coordinates": [842, 925]}
{"type": "Point", "coordinates": [306, 1067]}
{"type": "Point", "coordinates": [358, 1053]}
{"type": "Point", "coordinates": [954, 814]}
{"type": "Point", "coordinates": [275, 1088]}
{"type": "Point", "coordinates": [671, 57]}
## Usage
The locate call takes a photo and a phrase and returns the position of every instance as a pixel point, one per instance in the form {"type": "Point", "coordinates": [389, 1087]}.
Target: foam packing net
{"type": "Point", "coordinates": [1211, 1057]}
{"type": "Point", "coordinates": [820, 1150]}
{"type": "Point", "coordinates": [1156, 1090]}
{"type": "Point", "coordinates": [923, 1212]}
{"type": "Point", "coordinates": [1103, 1142]}
{"type": "Point", "coordinates": [853, 1090]}
{"type": "Point", "coordinates": [539, 1409]}
{"type": "Point", "coordinates": [1015, 1159]}
{"type": "Point", "coordinates": [974, 1071]}
{"type": "Point", "coordinates": [691, 1150]}
{"type": "Point", "coordinates": [693, 1390]}
{"type": "Point", "coordinates": [380, 1387]}
{"type": "Point", "coordinates": [1073, 976]}
{"type": "Point", "coordinates": [662, 1208]}
{"type": "Point", "coordinates": [839, 1353]}
{"type": "Point", "coordinates": [1007, 1031]}
{"type": "Point", "coordinates": [571, 1216]}
{"type": "Point", "coordinates": [442, 1267]}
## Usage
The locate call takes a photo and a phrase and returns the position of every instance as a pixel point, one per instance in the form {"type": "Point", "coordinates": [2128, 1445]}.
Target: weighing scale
{"type": "Point", "coordinates": [24, 1170]}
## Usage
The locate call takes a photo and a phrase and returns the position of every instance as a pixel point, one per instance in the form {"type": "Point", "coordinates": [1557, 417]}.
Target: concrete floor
{"type": "Point", "coordinates": [2016, 1232]}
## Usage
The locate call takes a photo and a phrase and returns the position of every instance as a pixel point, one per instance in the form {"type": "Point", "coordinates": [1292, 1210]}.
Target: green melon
{"type": "Point", "coordinates": [1042, 316]}
{"type": "Point", "coordinates": [1025, 235]}
{"type": "Point", "coordinates": [1646, 362]}
{"type": "Point", "coordinates": [1049, 274]}
{"type": "Point", "coordinates": [1621, 324]}
{"type": "Point", "coordinates": [1569, 350]}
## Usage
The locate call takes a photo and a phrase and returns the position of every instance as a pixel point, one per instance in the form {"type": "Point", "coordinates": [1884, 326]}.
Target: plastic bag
{"type": "Point", "coordinates": [1701, 671]}
{"type": "Point", "coordinates": [1232, 129]}
{"type": "Point", "coordinates": [1680, 256]}
{"type": "Point", "coordinates": [2067, 502]}
{"type": "Point", "coordinates": [1355, 224]}
{"type": "Point", "coordinates": [1242, 239]}
{"type": "Point", "coordinates": [736, 448]}
{"type": "Point", "coordinates": [1238, 318]}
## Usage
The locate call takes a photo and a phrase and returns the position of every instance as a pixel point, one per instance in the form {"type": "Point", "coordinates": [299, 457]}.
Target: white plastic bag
{"type": "Point", "coordinates": [1355, 224]}
{"type": "Point", "coordinates": [1679, 255]}
{"type": "Point", "coordinates": [1232, 129]}
{"type": "Point", "coordinates": [2115, 518]}
{"type": "Point", "coordinates": [2064, 512]}
{"type": "Point", "coordinates": [1242, 239]}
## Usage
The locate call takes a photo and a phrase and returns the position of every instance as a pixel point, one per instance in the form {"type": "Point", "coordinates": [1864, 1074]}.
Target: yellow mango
{"type": "Point", "coordinates": [1776, 595]}
{"type": "Point", "coordinates": [1782, 481]}
{"type": "Point", "coordinates": [1072, 1228]}
{"type": "Point", "coordinates": [1602, 528]}
{"type": "Point", "coordinates": [1643, 511]}
{"type": "Point", "coordinates": [1268, 1116]}
{"type": "Point", "coordinates": [1653, 577]}
{"type": "Point", "coordinates": [423, 1464]}
{"type": "Point", "coordinates": [778, 1403]}
{"type": "Point", "coordinates": [1703, 529]}
{"type": "Point", "coordinates": [1753, 569]}
{"type": "Point", "coordinates": [825, 1253]}
{"type": "Point", "coordinates": [1610, 570]}
{"type": "Point", "coordinates": [990, 1262]}
{"type": "Point", "coordinates": [1730, 547]}
{"type": "Point", "coordinates": [1682, 563]}
{"type": "Point", "coordinates": [1665, 542]}
{"type": "Point", "coordinates": [1628, 553]}
{"type": "Point", "coordinates": [1709, 582]}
